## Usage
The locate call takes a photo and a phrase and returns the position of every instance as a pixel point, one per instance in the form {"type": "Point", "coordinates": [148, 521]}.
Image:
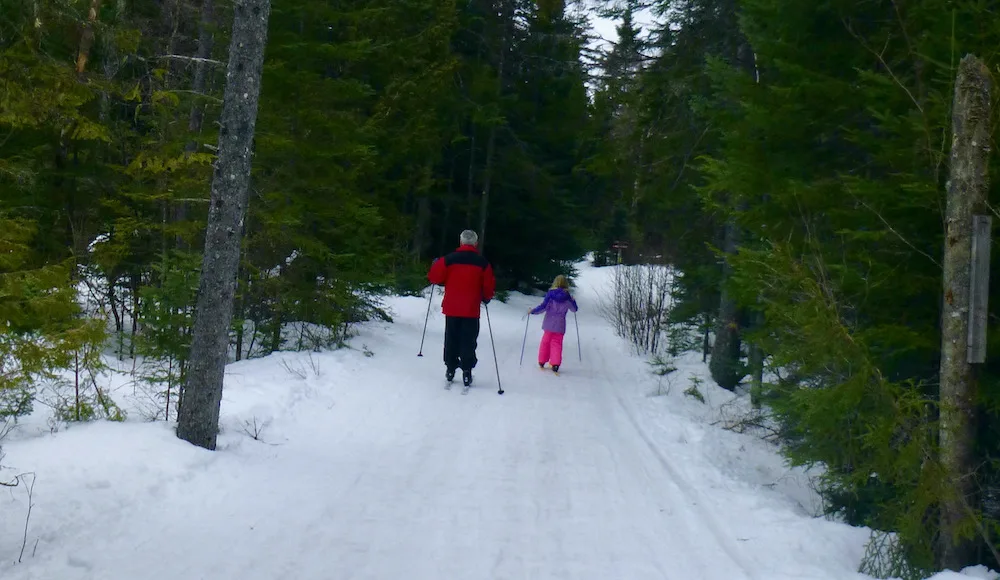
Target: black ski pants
{"type": "Point", "coordinates": [460, 337]}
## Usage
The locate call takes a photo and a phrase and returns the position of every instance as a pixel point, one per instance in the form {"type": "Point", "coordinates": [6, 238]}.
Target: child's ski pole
{"type": "Point", "coordinates": [579, 349]}
{"type": "Point", "coordinates": [527, 319]}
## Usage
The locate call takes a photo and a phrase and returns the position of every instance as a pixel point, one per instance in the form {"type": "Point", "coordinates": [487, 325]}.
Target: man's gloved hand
{"type": "Point", "coordinates": [486, 301]}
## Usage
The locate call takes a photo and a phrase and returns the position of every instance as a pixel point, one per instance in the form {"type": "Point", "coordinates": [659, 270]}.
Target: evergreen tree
{"type": "Point", "coordinates": [618, 110]}
{"type": "Point", "coordinates": [44, 113]}
{"type": "Point", "coordinates": [384, 130]}
{"type": "Point", "coordinates": [832, 164]}
{"type": "Point", "coordinates": [539, 152]}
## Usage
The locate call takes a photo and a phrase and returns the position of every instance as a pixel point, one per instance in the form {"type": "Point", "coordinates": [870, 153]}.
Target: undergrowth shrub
{"type": "Point", "coordinates": [637, 305]}
{"type": "Point", "coordinates": [874, 436]}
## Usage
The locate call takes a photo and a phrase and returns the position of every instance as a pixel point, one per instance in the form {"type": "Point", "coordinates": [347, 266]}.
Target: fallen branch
{"type": "Point", "coordinates": [753, 421]}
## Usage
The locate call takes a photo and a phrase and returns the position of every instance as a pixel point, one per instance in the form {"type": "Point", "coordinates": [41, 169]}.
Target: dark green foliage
{"type": "Point", "coordinates": [167, 315]}
{"type": "Point", "coordinates": [370, 158]}
{"type": "Point", "coordinates": [832, 159]}
{"type": "Point", "coordinates": [878, 435]}
{"type": "Point", "coordinates": [42, 333]}
{"type": "Point", "coordinates": [819, 131]}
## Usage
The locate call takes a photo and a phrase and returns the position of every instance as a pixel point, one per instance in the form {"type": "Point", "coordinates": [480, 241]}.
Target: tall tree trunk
{"type": "Point", "coordinates": [110, 64]}
{"type": "Point", "coordinates": [445, 222]}
{"type": "Point", "coordinates": [725, 363]}
{"type": "Point", "coordinates": [706, 330]}
{"type": "Point", "coordinates": [756, 360]}
{"type": "Point", "coordinates": [421, 233]}
{"type": "Point", "coordinates": [967, 188]}
{"type": "Point", "coordinates": [484, 206]}
{"type": "Point", "coordinates": [279, 317]}
{"type": "Point", "coordinates": [206, 41]}
{"type": "Point", "coordinates": [470, 194]}
{"type": "Point", "coordinates": [171, 15]}
{"type": "Point", "coordinates": [241, 305]}
{"type": "Point", "coordinates": [87, 37]}
{"type": "Point", "coordinates": [239, 338]}
{"type": "Point", "coordinates": [198, 422]}
{"type": "Point", "coordinates": [135, 281]}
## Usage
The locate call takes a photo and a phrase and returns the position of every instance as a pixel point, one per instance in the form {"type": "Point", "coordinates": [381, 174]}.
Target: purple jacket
{"type": "Point", "coordinates": [556, 304]}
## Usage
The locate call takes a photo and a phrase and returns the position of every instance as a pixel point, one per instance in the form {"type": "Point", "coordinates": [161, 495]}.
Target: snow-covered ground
{"type": "Point", "coordinates": [365, 467]}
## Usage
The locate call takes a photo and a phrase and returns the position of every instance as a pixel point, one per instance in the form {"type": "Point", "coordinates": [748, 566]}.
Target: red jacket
{"type": "Point", "coordinates": [467, 279]}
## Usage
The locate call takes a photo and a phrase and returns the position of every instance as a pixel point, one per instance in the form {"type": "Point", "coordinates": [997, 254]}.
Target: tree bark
{"type": "Point", "coordinates": [205, 44]}
{"type": "Point", "coordinates": [706, 343]}
{"type": "Point", "coordinates": [198, 421]}
{"type": "Point", "coordinates": [87, 37]}
{"type": "Point", "coordinates": [196, 118]}
{"type": "Point", "coordinates": [967, 189]}
{"type": "Point", "coordinates": [484, 207]}
{"type": "Point", "coordinates": [470, 195]}
{"type": "Point", "coordinates": [445, 222]}
{"type": "Point", "coordinates": [725, 364]}
{"type": "Point", "coordinates": [756, 360]}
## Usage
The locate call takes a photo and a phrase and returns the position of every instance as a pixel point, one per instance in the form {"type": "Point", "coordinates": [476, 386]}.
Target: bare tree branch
{"type": "Point", "coordinates": [897, 234]}
{"type": "Point", "coordinates": [191, 59]}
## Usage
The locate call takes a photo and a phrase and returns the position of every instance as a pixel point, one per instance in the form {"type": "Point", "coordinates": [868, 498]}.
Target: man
{"type": "Point", "coordinates": [467, 279]}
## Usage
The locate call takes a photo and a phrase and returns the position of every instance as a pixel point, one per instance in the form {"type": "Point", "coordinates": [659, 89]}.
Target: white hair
{"type": "Point", "coordinates": [469, 238]}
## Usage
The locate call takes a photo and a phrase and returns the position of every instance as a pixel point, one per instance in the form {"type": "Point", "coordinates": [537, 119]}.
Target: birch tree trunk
{"type": "Point", "coordinates": [967, 188]}
{"type": "Point", "coordinates": [198, 422]}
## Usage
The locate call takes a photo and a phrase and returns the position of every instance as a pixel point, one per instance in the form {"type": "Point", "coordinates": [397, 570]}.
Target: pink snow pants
{"type": "Point", "coordinates": [550, 349]}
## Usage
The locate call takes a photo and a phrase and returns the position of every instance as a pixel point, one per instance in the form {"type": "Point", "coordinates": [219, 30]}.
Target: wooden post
{"type": "Point", "coordinates": [967, 188]}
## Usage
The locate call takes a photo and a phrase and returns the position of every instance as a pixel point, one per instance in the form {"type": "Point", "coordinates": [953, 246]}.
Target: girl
{"type": "Point", "coordinates": [556, 304]}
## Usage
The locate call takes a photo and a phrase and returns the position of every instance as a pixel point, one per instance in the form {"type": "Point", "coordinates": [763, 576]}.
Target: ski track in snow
{"type": "Point", "coordinates": [372, 470]}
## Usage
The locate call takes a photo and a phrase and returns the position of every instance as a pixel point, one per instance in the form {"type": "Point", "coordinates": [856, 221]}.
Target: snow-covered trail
{"type": "Point", "coordinates": [370, 469]}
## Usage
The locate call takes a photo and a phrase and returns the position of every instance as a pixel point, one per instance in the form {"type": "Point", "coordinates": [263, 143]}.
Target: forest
{"type": "Point", "coordinates": [790, 162]}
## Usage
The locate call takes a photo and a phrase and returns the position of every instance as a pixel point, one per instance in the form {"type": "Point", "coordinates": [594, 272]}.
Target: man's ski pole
{"type": "Point", "coordinates": [493, 344]}
{"type": "Point", "coordinates": [426, 317]}
{"type": "Point", "coordinates": [527, 319]}
{"type": "Point", "coordinates": [579, 349]}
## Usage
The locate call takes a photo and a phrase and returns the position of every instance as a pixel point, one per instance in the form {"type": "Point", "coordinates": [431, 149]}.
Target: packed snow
{"type": "Point", "coordinates": [359, 464]}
